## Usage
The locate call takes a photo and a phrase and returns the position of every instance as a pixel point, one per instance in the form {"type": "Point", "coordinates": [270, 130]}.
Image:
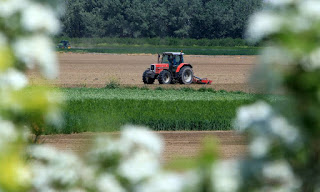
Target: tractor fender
{"type": "Point", "coordinates": [182, 65]}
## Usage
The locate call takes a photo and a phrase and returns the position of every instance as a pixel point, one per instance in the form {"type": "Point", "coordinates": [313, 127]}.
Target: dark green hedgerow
{"type": "Point", "coordinates": [154, 50]}
{"type": "Point", "coordinates": [167, 41]}
{"type": "Point", "coordinates": [109, 109]}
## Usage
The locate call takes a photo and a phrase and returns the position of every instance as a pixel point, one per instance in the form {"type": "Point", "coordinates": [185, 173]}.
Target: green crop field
{"type": "Point", "coordinates": [155, 50]}
{"type": "Point", "coordinates": [91, 109]}
{"type": "Point", "coordinates": [227, 46]}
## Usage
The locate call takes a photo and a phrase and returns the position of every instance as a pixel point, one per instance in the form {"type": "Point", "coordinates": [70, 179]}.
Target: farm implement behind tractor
{"type": "Point", "coordinates": [171, 69]}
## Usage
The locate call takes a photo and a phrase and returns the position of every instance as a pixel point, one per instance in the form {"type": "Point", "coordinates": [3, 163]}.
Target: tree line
{"type": "Point", "coordinates": [157, 18]}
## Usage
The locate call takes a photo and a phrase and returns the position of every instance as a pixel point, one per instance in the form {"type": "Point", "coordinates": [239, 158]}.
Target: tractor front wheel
{"type": "Point", "coordinates": [165, 77]}
{"type": "Point", "coordinates": [146, 79]}
{"type": "Point", "coordinates": [186, 75]}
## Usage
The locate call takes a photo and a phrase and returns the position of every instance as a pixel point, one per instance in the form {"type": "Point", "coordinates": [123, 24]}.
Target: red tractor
{"type": "Point", "coordinates": [171, 69]}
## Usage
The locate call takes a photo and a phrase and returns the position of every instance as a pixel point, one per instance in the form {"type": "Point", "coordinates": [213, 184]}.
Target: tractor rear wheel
{"type": "Point", "coordinates": [185, 75]}
{"type": "Point", "coordinates": [146, 79]}
{"type": "Point", "coordinates": [165, 77]}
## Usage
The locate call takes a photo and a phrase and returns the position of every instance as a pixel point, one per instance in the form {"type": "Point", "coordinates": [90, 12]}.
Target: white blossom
{"type": "Point", "coordinates": [54, 114]}
{"type": "Point", "coordinates": [276, 55]}
{"type": "Point", "coordinates": [226, 176]}
{"type": "Point", "coordinates": [13, 79]}
{"type": "Point", "coordinates": [163, 182]}
{"type": "Point", "coordinates": [106, 146]}
{"type": "Point", "coordinates": [10, 7]}
{"type": "Point", "coordinates": [139, 166]}
{"type": "Point", "coordinates": [43, 153]}
{"type": "Point", "coordinates": [279, 3]}
{"type": "Point", "coordinates": [299, 23]}
{"type": "Point", "coordinates": [105, 149]}
{"type": "Point", "coordinates": [312, 62]}
{"type": "Point", "coordinates": [39, 50]}
{"type": "Point", "coordinates": [141, 137]}
{"type": "Point", "coordinates": [3, 40]}
{"type": "Point", "coordinates": [107, 182]}
{"type": "Point", "coordinates": [280, 172]}
{"type": "Point", "coordinates": [24, 175]}
{"type": "Point", "coordinates": [54, 169]}
{"type": "Point", "coordinates": [259, 146]}
{"type": "Point", "coordinates": [280, 126]}
{"type": "Point", "coordinates": [310, 8]}
{"type": "Point", "coordinates": [8, 133]}
{"type": "Point", "coordinates": [253, 113]}
{"type": "Point", "coordinates": [39, 17]}
{"type": "Point", "coordinates": [262, 24]}
{"type": "Point", "coordinates": [54, 117]}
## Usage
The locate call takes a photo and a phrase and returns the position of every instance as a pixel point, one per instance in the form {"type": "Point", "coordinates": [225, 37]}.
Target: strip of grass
{"type": "Point", "coordinates": [89, 109]}
{"type": "Point", "coordinates": [155, 50]}
{"type": "Point", "coordinates": [157, 41]}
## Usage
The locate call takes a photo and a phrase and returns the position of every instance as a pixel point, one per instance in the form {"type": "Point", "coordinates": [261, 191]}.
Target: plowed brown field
{"type": "Point", "coordinates": [177, 143]}
{"type": "Point", "coordinates": [230, 73]}
{"type": "Point", "coordinates": [96, 70]}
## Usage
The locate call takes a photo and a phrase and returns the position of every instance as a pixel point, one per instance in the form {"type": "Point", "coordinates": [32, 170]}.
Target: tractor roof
{"type": "Point", "coordinates": [173, 53]}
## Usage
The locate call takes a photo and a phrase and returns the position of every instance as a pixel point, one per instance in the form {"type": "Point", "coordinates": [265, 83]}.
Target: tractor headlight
{"type": "Point", "coordinates": [152, 68]}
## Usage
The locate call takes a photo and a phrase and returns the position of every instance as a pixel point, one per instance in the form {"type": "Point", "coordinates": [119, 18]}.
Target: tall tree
{"type": "Point", "coordinates": [158, 18]}
{"type": "Point", "coordinates": [73, 25]}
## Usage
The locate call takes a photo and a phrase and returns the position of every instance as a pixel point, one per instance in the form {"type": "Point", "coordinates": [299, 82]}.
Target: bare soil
{"type": "Point", "coordinates": [230, 73]}
{"type": "Point", "coordinates": [177, 143]}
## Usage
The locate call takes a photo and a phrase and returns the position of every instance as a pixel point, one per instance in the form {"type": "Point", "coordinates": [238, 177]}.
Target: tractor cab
{"type": "Point", "coordinates": [174, 59]}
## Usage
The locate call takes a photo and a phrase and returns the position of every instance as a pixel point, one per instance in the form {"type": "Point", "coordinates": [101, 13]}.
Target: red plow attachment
{"type": "Point", "coordinates": [199, 80]}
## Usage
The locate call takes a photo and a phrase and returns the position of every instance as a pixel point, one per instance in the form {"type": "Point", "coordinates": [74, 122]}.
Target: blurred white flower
{"type": "Point", "coordinates": [24, 175]}
{"type": "Point", "coordinates": [259, 146]}
{"type": "Point", "coordinates": [43, 152]}
{"type": "Point", "coordinates": [105, 146]}
{"type": "Point", "coordinates": [279, 2]}
{"type": "Point", "coordinates": [53, 169]}
{"type": "Point", "coordinates": [280, 126]}
{"type": "Point", "coordinates": [8, 133]}
{"type": "Point", "coordinates": [13, 79]}
{"type": "Point", "coordinates": [276, 55]}
{"type": "Point", "coordinates": [10, 7]}
{"type": "Point", "coordinates": [54, 117]}
{"type": "Point", "coordinates": [141, 137]}
{"type": "Point", "coordinates": [37, 49]}
{"type": "Point", "coordinates": [280, 172]}
{"type": "Point", "coordinates": [37, 17]}
{"type": "Point", "coordinates": [313, 61]}
{"type": "Point", "coordinates": [298, 23]}
{"type": "Point", "coordinates": [54, 113]}
{"type": "Point", "coordinates": [163, 182]}
{"type": "Point", "coordinates": [138, 166]}
{"type": "Point", "coordinates": [107, 182]}
{"type": "Point", "coordinates": [226, 176]}
{"type": "Point", "coordinates": [262, 24]}
{"type": "Point", "coordinates": [105, 153]}
{"type": "Point", "coordinates": [3, 40]}
{"type": "Point", "coordinates": [247, 115]}
{"type": "Point", "coordinates": [310, 8]}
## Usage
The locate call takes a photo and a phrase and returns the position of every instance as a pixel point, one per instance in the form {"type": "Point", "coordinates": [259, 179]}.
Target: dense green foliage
{"type": "Point", "coordinates": [185, 109]}
{"type": "Point", "coordinates": [158, 18]}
